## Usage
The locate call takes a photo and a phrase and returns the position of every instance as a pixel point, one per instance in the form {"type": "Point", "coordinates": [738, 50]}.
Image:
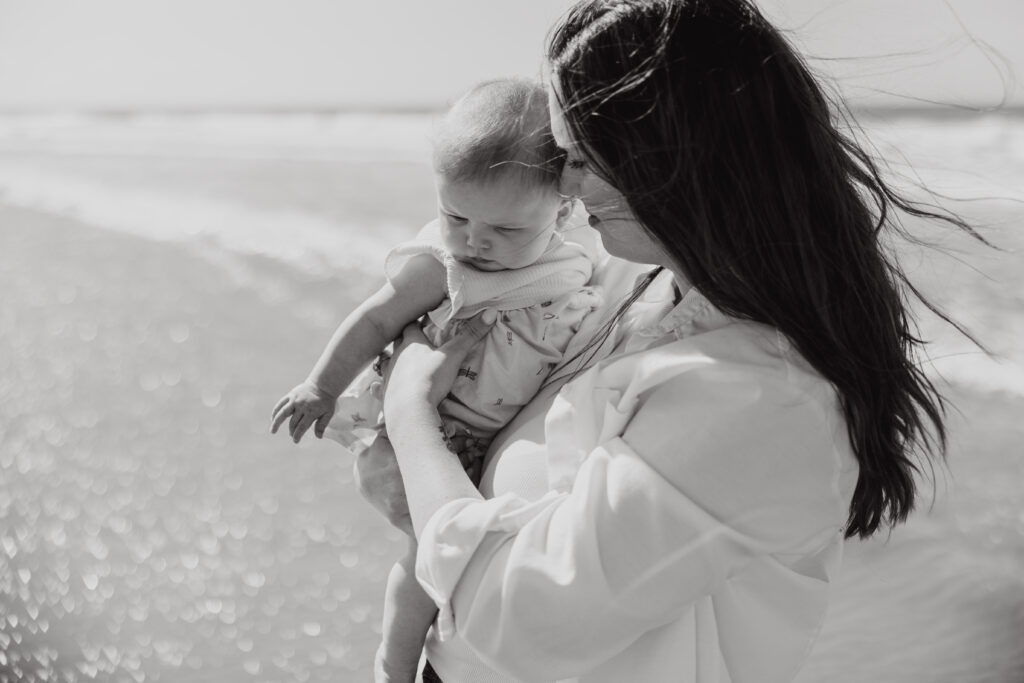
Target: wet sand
{"type": "Point", "coordinates": [151, 528]}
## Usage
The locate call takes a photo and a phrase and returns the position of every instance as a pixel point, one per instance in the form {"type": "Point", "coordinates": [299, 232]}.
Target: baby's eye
{"type": "Point", "coordinates": [504, 231]}
{"type": "Point", "coordinates": [455, 219]}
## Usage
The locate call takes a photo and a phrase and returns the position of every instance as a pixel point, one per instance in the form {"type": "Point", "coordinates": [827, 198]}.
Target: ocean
{"type": "Point", "coordinates": [164, 279]}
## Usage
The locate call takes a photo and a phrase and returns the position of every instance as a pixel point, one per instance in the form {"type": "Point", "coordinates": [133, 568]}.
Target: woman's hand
{"type": "Point", "coordinates": [418, 372]}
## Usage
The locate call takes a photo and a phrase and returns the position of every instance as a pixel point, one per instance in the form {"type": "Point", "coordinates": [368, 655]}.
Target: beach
{"type": "Point", "coordinates": [164, 280]}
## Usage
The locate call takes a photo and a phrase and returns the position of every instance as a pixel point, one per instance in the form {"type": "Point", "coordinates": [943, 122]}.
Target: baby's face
{"type": "Point", "coordinates": [498, 225]}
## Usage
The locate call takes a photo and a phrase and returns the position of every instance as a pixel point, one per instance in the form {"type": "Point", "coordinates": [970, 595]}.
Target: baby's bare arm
{"type": "Point", "coordinates": [418, 288]}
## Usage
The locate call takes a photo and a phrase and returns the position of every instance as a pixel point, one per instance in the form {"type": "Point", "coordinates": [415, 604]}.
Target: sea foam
{"type": "Point", "coordinates": [313, 244]}
{"type": "Point", "coordinates": [295, 237]}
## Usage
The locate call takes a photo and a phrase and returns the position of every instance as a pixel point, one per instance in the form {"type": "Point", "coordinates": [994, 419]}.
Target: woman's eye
{"type": "Point", "coordinates": [576, 164]}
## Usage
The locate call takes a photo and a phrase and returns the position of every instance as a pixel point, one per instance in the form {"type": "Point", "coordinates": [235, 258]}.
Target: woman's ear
{"type": "Point", "coordinates": [564, 212]}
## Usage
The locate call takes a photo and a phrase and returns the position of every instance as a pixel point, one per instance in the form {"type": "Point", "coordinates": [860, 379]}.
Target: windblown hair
{"type": "Point", "coordinates": [729, 153]}
{"type": "Point", "coordinates": [500, 130]}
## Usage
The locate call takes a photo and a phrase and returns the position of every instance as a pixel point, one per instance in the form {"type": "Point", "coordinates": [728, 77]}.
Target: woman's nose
{"type": "Point", "coordinates": [571, 182]}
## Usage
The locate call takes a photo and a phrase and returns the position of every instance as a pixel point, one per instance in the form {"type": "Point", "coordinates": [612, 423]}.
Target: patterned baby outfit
{"type": "Point", "coordinates": [539, 308]}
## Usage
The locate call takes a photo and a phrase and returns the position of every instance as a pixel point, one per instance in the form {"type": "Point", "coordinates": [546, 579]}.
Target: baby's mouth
{"type": "Point", "coordinates": [477, 261]}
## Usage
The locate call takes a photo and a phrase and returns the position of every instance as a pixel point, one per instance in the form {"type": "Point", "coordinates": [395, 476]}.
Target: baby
{"type": "Point", "coordinates": [498, 244]}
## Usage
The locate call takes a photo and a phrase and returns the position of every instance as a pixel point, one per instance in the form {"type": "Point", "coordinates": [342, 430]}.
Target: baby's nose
{"type": "Point", "coordinates": [476, 240]}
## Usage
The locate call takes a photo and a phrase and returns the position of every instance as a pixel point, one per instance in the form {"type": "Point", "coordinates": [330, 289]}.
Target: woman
{"type": "Point", "coordinates": [679, 510]}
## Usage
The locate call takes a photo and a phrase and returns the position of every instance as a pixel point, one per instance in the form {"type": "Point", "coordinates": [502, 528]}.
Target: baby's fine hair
{"type": "Point", "coordinates": [499, 131]}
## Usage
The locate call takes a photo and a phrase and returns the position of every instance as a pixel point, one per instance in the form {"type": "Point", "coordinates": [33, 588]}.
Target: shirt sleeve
{"type": "Point", "coordinates": [714, 469]}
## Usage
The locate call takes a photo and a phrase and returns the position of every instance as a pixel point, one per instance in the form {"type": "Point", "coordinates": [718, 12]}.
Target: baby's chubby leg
{"type": "Point", "coordinates": [408, 613]}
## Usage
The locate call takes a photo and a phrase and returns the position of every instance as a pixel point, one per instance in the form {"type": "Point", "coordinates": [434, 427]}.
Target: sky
{"type": "Point", "coordinates": [159, 55]}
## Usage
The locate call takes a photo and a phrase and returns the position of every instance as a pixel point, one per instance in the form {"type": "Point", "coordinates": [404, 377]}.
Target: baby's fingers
{"type": "Point", "coordinates": [280, 404]}
{"type": "Point", "coordinates": [321, 424]}
{"type": "Point", "coordinates": [304, 423]}
{"type": "Point", "coordinates": [294, 422]}
{"type": "Point", "coordinates": [281, 415]}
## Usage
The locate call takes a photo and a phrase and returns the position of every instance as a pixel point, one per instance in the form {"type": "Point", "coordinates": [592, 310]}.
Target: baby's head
{"type": "Point", "coordinates": [497, 170]}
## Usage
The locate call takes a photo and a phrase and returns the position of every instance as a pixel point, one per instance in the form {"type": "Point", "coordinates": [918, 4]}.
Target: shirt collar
{"type": "Point", "coordinates": [692, 314]}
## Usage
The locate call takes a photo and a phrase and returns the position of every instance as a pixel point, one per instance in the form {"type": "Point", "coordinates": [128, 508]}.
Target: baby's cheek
{"type": "Point", "coordinates": [531, 253]}
{"type": "Point", "coordinates": [447, 239]}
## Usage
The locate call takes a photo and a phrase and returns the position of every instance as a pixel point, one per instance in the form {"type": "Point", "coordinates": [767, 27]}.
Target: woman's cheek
{"type": "Point", "coordinates": [600, 197]}
{"type": "Point", "coordinates": [619, 229]}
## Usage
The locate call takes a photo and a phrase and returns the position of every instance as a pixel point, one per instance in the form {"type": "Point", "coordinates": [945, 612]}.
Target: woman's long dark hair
{"type": "Point", "coordinates": [729, 154]}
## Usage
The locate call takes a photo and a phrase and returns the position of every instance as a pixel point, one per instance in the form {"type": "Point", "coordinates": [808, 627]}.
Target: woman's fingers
{"type": "Point", "coordinates": [420, 370]}
{"type": "Point", "coordinates": [412, 334]}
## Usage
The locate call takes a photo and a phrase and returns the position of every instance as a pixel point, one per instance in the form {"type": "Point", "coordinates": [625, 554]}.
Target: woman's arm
{"type": "Point", "coordinates": [432, 474]}
{"type": "Point", "coordinates": [420, 376]}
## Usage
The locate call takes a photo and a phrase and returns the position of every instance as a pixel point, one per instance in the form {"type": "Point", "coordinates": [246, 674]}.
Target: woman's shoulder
{"type": "Point", "coordinates": [736, 412]}
{"type": "Point", "coordinates": [751, 364]}
{"type": "Point", "coordinates": [724, 423]}
{"type": "Point", "coordinates": [740, 392]}
{"type": "Point", "coordinates": [735, 353]}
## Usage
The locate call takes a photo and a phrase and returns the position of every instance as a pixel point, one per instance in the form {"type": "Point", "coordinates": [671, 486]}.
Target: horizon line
{"type": "Point", "coordinates": [116, 112]}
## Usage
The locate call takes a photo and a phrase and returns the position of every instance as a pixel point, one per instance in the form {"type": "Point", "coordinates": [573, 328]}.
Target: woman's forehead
{"type": "Point", "coordinates": [559, 129]}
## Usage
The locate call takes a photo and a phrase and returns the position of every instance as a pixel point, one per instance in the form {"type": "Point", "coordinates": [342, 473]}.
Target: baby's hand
{"type": "Point", "coordinates": [307, 404]}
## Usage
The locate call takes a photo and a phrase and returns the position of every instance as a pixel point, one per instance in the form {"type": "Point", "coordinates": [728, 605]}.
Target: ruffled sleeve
{"type": "Point", "coordinates": [429, 242]}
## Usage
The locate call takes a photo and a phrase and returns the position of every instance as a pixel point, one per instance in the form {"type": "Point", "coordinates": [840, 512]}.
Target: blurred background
{"type": "Point", "coordinates": [194, 193]}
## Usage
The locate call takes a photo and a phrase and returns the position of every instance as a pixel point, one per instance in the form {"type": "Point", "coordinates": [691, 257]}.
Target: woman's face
{"type": "Point", "coordinates": [621, 233]}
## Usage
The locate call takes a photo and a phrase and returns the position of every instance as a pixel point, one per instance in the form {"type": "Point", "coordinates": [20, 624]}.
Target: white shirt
{"type": "Point", "coordinates": [698, 486]}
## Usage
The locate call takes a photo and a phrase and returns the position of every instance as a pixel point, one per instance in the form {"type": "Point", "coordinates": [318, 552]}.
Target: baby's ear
{"type": "Point", "coordinates": [564, 212]}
